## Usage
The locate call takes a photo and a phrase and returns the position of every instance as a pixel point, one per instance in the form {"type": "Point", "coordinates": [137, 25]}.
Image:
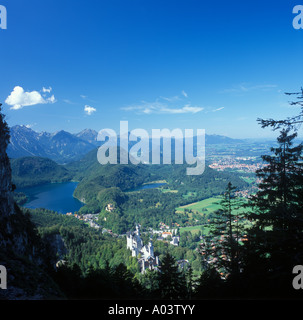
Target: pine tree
{"type": "Point", "coordinates": [223, 248]}
{"type": "Point", "coordinates": [209, 285]}
{"type": "Point", "coordinates": [275, 241]}
{"type": "Point", "coordinates": [292, 123]}
{"type": "Point", "coordinates": [189, 282]}
{"type": "Point", "coordinates": [276, 238]}
{"type": "Point", "coordinates": [149, 281]}
{"type": "Point", "coordinates": [171, 282]}
{"type": "Point", "coordinates": [123, 283]}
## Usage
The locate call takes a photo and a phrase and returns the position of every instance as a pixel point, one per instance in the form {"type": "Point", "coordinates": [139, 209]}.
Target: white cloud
{"type": "Point", "coordinates": [52, 99]}
{"type": "Point", "coordinates": [218, 109]}
{"type": "Point", "coordinates": [47, 90]}
{"type": "Point", "coordinates": [185, 109]}
{"type": "Point", "coordinates": [19, 98]}
{"type": "Point", "coordinates": [89, 110]}
{"type": "Point", "coordinates": [171, 99]}
{"type": "Point", "coordinates": [191, 109]}
{"type": "Point", "coordinates": [164, 106]}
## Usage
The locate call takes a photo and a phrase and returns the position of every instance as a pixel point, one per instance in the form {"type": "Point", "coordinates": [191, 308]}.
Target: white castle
{"type": "Point", "coordinates": [135, 244]}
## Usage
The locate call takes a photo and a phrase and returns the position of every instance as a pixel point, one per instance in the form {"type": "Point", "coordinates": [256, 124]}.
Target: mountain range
{"type": "Point", "coordinates": [61, 146]}
{"type": "Point", "coordinates": [64, 147]}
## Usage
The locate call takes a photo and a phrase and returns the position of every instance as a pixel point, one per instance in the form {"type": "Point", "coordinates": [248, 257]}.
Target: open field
{"type": "Point", "coordinates": [248, 179]}
{"type": "Point", "coordinates": [164, 190]}
{"type": "Point", "coordinates": [203, 206]}
{"type": "Point", "coordinates": [195, 229]}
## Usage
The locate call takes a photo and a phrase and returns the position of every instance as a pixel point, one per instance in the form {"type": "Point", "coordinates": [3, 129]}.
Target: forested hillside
{"type": "Point", "coordinates": [32, 171]}
{"type": "Point", "coordinates": [103, 184]}
{"type": "Point", "coordinates": [100, 185]}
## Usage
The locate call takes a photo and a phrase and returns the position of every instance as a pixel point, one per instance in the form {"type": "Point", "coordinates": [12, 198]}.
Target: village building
{"type": "Point", "coordinates": [166, 234]}
{"type": "Point", "coordinates": [175, 241]}
{"type": "Point", "coordinates": [110, 207]}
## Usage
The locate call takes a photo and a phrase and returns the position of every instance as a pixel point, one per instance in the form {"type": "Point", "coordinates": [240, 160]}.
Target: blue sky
{"type": "Point", "coordinates": [213, 65]}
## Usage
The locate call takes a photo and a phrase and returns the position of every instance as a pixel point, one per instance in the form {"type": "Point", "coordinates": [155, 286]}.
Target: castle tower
{"type": "Point", "coordinates": [138, 230]}
{"type": "Point", "coordinates": [151, 248]}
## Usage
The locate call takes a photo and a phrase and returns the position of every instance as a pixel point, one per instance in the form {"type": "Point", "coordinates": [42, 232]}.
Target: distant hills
{"type": "Point", "coordinates": [218, 139]}
{"type": "Point", "coordinates": [64, 147]}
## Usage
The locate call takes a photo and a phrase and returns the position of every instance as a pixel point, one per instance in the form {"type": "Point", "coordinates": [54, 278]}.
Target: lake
{"type": "Point", "coordinates": [147, 186]}
{"type": "Point", "coordinates": [59, 196]}
{"type": "Point", "coordinates": [53, 196]}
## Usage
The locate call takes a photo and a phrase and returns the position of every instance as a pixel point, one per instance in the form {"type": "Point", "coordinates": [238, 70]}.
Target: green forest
{"type": "Point", "coordinates": [249, 251]}
{"type": "Point", "coordinates": [90, 257]}
{"type": "Point", "coordinates": [100, 185]}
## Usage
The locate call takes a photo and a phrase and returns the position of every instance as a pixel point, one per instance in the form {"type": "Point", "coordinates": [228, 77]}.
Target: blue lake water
{"type": "Point", "coordinates": [147, 186]}
{"type": "Point", "coordinates": [53, 196]}
{"type": "Point", "coordinates": [59, 196]}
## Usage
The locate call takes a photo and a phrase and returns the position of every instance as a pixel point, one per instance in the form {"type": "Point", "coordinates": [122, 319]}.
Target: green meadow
{"type": "Point", "coordinates": [203, 206]}
{"type": "Point", "coordinates": [195, 229]}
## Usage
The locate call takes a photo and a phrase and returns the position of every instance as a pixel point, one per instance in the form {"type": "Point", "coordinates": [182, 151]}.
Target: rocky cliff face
{"type": "Point", "coordinates": [6, 195]}
{"type": "Point", "coordinates": [6, 200]}
{"type": "Point", "coordinates": [22, 252]}
{"type": "Point", "coordinates": [13, 228]}
{"type": "Point", "coordinates": [16, 233]}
